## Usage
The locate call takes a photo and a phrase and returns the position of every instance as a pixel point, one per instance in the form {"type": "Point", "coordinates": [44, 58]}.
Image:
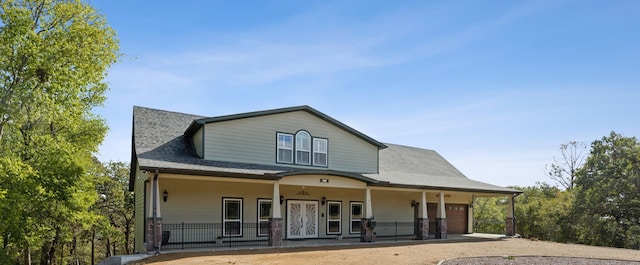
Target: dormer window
{"type": "Point", "coordinates": [320, 152]}
{"type": "Point", "coordinates": [285, 148]}
{"type": "Point", "coordinates": [303, 148]}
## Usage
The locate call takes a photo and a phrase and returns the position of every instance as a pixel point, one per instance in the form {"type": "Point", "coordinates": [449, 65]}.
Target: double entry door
{"type": "Point", "coordinates": [302, 219]}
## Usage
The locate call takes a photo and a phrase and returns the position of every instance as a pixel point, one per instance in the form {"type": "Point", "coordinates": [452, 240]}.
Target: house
{"type": "Point", "coordinates": [285, 174]}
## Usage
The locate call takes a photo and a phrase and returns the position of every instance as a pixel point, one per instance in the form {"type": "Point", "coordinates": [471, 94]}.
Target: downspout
{"type": "Point", "coordinates": [156, 248]}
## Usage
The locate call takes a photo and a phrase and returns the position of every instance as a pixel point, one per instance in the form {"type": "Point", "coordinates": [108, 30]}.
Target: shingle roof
{"type": "Point", "coordinates": [411, 166]}
{"type": "Point", "coordinates": [159, 142]}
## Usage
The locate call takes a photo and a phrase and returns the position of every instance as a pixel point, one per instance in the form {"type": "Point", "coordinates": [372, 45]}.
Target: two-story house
{"type": "Point", "coordinates": [285, 174]}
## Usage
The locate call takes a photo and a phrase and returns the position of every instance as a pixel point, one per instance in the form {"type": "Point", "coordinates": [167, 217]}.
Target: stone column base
{"type": "Point", "coordinates": [275, 232]}
{"type": "Point", "coordinates": [510, 226]}
{"type": "Point", "coordinates": [423, 229]}
{"type": "Point", "coordinates": [151, 229]}
{"type": "Point", "coordinates": [441, 228]}
{"type": "Point", "coordinates": [367, 225]}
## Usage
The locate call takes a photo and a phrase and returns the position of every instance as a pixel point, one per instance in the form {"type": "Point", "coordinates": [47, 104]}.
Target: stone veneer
{"type": "Point", "coordinates": [423, 229]}
{"type": "Point", "coordinates": [441, 228]}
{"type": "Point", "coordinates": [158, 232]}
{"type": "Point", "coordinates": [510, 226]}
{"type": "Point", "coordinates": [366, 232]}
{"type": "Point", "coordinates": [275, 232]}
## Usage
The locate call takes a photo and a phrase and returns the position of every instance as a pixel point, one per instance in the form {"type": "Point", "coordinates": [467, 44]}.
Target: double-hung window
{"type": "Point", "coordinates": [334, 217]}
{"type": "Point", "coordinates": [303, 148]}
{"type": "Point", "coordinates": [264, 213]}
{"type": "Point", "coordinates": [319, 152]}
{"type": "Point", "coordinates": [232, 217]}
{"type": "Point", "coordinates": [356, 216]}
{"type": "Point", "coordinates": [285, 148]}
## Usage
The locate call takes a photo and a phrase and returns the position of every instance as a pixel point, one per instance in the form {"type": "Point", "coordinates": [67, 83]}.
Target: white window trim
{"type": "Point", "coordinates": [339, 220]}
{"type": "Point", "coordinates": [279, 147]}
{"type": "Point", "coordinates": [224, 216]}
{"type": "Point", "coordinates": [300, 148]}
{"type": "Point", "coordinates": [325, 152]}
{"type": "Point", "coordinates": [260, 220]}
{"type": "Point", "coordinates": [351, 204]}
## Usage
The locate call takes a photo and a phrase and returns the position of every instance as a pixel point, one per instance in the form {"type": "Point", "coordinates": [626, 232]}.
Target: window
{"type": "Point", "coordinates": [334, 217]}
{"type": "Point", "coordinates": [319, 152]}
{"type": "Point", "coordinates": [232, 217]}
{"type": "Point", "coordinates": [285, 148]}
{"type": "Point", "coordinates": [264, 213]}
{"type": "Point", "coordinates": [356, 215]}
{"type": "Point", "coordinates": [303, 148]}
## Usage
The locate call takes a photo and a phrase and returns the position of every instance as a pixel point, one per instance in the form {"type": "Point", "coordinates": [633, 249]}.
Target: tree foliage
{"type": "Point", "coordinates": [608, 194]}
{"type": "Point", "coordinates": [54, 55]}
{"type": "Point", "coordinates": [489, 214]}
{"type": "Point", "coordinates": [603, 208]}
{"type": "Point", "coordinates": [541, 212]}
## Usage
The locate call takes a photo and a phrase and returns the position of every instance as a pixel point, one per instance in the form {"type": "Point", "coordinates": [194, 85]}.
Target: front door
{"type": "Point", "coordinates": [302, 219]}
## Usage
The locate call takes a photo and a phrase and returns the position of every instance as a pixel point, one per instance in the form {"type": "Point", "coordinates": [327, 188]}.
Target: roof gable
{"type": "Point", "coordinates": [198, 123]}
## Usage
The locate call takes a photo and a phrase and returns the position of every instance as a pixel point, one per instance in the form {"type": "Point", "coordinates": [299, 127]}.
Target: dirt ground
{"type": "Point", "coordinates": [423, 252]}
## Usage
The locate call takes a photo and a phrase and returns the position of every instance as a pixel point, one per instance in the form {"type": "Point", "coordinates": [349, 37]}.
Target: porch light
{"type": "Point", "coordinates": [324, 200]}
{"type": "Point", "coordinates": [281, 199]}
{"type": "Point", "coordinates": [414, 203]}
{"type": "Point", "coordinates": [165, 195]}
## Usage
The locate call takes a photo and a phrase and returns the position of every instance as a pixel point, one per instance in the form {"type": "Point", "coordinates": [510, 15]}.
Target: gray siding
{"type": "Point", "coordinates": [139, 211]}
{"type": "Point", "coordinates": [253, 140]}
{"type": "Point", "coordinates": [197, 142]}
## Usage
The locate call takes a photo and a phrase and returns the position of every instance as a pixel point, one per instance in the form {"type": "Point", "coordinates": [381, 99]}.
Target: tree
{"type": "Point", "coordinates": [489, 214]}
{"type": "Point", "coordinates": [563, 171]}
{"type": "Point", "coordinates": [54, 55]}
{"type": "Point", "coordinates": [542, 212]}
{"type": "Point", "coordinates": [608, 193]}
{"type": "Point", "coordinates": [115, 205]}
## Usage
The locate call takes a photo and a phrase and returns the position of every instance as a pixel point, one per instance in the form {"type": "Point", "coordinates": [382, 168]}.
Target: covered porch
{"type": "Point", "coordinates": [222, 212]}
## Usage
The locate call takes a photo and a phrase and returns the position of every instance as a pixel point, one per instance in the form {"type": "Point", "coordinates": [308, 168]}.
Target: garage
{"type": "Point", "coordinates": [457, 216]}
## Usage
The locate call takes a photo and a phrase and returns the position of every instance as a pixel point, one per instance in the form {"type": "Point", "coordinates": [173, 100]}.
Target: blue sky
{"type": "Point", "coordinates": [493, 86]}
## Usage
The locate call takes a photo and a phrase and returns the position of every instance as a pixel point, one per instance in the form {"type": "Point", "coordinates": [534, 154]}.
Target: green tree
{"type": "Point", "coordinates": [54, 55]}
{"type": "Point", "coordinates": [115, 207]}
{"type": "Point", "coordinates": [489, 214]}
{"type": "Point", "coordinates": [542, 212]}
{"type": "Point", "coordinates": [607, 203]}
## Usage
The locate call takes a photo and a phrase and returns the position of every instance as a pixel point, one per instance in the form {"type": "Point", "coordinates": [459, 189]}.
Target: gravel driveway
{"type": "Point", "coordinates": [423, 252]}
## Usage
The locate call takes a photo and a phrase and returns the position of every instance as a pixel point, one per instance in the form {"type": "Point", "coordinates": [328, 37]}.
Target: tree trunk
{"type": "Point", "coordinates": [27, 254]}
{"type": "Point", "coordinates": [93, 246]}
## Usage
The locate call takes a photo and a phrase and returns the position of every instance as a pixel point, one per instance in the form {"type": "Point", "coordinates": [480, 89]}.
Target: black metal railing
{"type": "Point", "coordinates": [395, 230]}
{"type": "Point", "coordinates": [210, 235]}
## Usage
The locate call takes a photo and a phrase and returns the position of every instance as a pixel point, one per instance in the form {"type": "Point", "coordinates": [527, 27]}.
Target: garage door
{"type": "Point", "coordinates": [456, 218]}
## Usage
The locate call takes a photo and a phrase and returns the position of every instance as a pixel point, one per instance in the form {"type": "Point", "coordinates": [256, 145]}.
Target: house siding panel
{"type": "Point", "coordinates": [253, 140]}
{"type": "Point", "coordinates": [139, 213]}
{"type": "Point", "coordinates": [197, 142]}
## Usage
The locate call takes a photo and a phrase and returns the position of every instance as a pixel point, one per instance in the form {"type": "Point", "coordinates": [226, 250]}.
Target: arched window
{"type": "Point", "coordinates": [303, 148]}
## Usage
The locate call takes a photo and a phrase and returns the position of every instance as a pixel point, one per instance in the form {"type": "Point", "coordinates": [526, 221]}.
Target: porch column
{"type": "Point", "coordinates": [470, 217]}
{"type": "Point", "coordinates": [154, 218]}
{"type": "Point", "coordinates": [441, 218]}
{"type": "Point", "coordinates": [275, 222]}
{"type": "Point", "coordinates": [511, 220]}
{"type": "Point", "coordinates": [367, 224]}
{"type": "Point", "coordinates": [423, 221]}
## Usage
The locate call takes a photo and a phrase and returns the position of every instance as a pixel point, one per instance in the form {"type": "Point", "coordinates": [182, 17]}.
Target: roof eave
{"type": "Point", "coordinates": [408, 186]}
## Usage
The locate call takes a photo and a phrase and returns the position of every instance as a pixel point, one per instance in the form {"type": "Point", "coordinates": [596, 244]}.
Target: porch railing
{"type": "Point", "coordinates": [210, 235]}
{"type": "Point", "coordinates": [395, 230]}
